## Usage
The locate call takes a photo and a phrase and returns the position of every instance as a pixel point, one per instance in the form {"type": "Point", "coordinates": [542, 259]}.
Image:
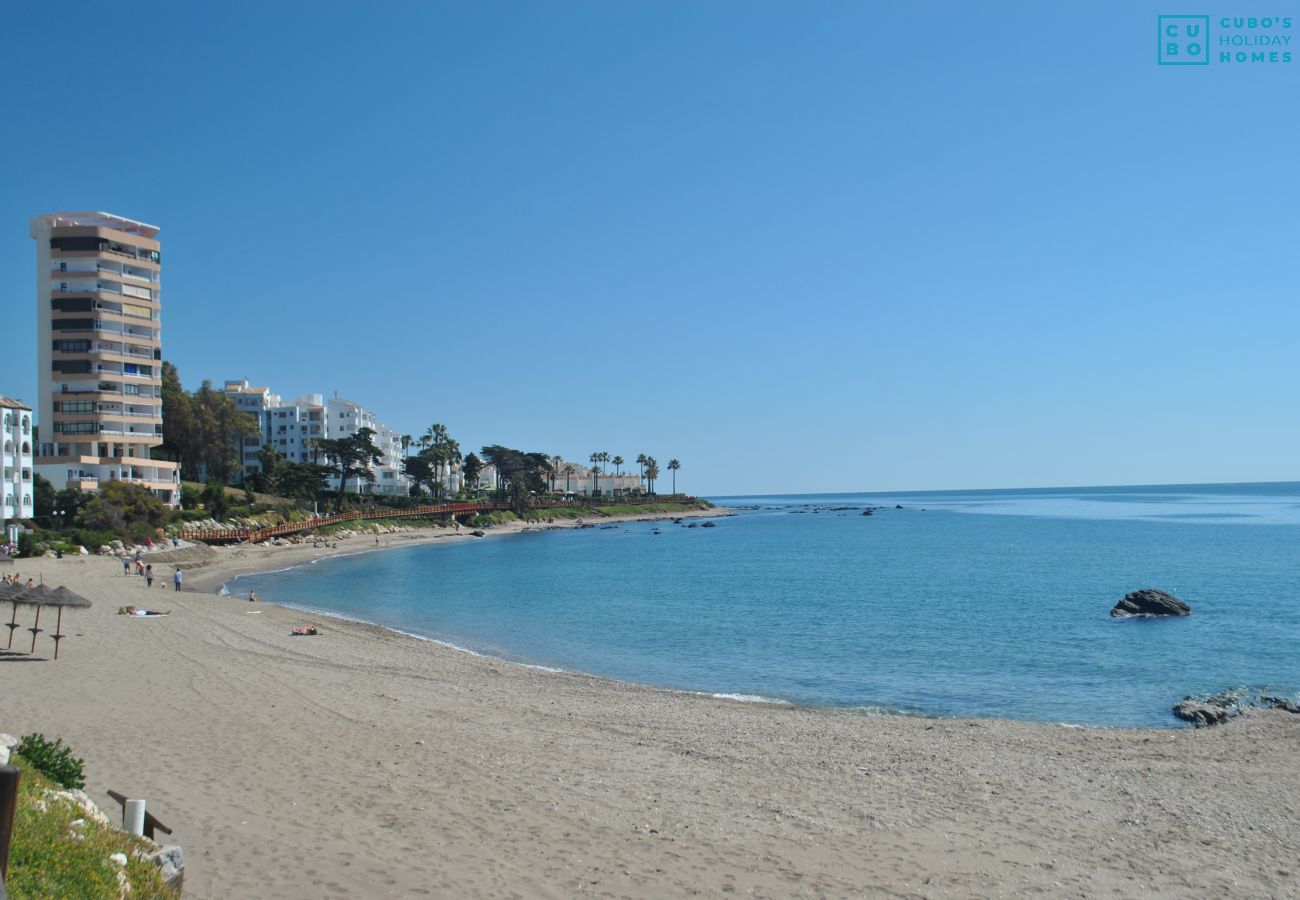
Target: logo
{"type": "Point", "coordinates": [1183, 40]}
{"type": "Point", "coordinates": [1187, 40]}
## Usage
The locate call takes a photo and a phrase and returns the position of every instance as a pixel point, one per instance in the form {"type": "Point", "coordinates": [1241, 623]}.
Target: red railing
{"type": "Point", "coordinates": [460, 508]}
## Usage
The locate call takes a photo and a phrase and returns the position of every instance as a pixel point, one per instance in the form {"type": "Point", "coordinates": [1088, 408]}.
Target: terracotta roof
{"type": "Point", "coordinates": [13, 404]}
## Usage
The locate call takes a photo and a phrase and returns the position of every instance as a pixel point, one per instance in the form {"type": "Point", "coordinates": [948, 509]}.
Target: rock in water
{"type": "Point", "coordinates": [1150, 602]}
{"type": "Point", "coordinates": [1206, 711]}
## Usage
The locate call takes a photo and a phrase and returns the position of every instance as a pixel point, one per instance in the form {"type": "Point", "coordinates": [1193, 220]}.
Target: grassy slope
{"type": "Point", "coordinates": [44, 860]}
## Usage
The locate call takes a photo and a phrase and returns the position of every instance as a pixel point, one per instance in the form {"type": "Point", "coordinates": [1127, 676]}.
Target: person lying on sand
{"type": "Point", "coordinates": [137, 611]}
{"type": "Point", "coordinates": [304, 631]}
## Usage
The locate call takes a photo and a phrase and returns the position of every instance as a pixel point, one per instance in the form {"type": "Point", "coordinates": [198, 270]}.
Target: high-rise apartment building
{"type": "Point", "coordinates": [99, 352]}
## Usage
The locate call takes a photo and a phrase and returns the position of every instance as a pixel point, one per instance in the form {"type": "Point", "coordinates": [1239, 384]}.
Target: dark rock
{"type": "Point", "coordinates": [1206, 711]}
{"type": "Point", "coordinates": [693, 525]}
{"type": "Point", "coordinates": [898, 506]}
{"type": "Point", "coordinates": [1150, 602]}
{"type": "Point", "coordinates": [478, 533]}
{"type": "Point", "coordinates": [1280, 703]}
{"type": "Point", "coordinates": [1202, 715]}
{"type": "Point", "coordinates": [868, 512]}
{"type": "Point", "coordinates": [709, 525]}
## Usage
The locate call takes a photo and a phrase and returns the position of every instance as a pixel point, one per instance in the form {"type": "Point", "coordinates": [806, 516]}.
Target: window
{"type": "Point", "coordinates": [77, 427]}
{"type": "Point", "coordinates": [9, 446]}
{"type": "Point", "coordinates": [72, 346]}
{"type": "Point", "coordinates": [75, 406]}
{"type": "Point", "coordinates": [73, 325]}
{"type": "Point", "coordinates": [72, 366]}
{"type": "Point", "coordinates": [78, 243]}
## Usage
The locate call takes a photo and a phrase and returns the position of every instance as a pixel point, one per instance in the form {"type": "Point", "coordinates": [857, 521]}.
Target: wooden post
{"type": "Point", "coordinates": [8, 803]}
{"type": "Point", "coordinates": [58, 633]}
{"type": "Point", "coordinates": [36, 629]}
{"type": "Point", "coordinates": [13, 624]}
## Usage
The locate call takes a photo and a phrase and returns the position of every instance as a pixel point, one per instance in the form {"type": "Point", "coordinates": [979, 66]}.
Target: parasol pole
{"type": "Point", "coordinates": [36, 629]}
{"type": "Point", "coordinates": [13, 623]}
{"type": "Point", "coordinates": [58, 632]}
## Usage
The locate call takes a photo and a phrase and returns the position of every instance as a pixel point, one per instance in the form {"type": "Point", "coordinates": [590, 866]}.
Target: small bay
{"type": "Point", "coordinates": [963, 603]}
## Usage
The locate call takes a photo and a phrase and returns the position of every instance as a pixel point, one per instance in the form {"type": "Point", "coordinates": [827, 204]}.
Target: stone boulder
{"type": "Point", "coordinates": [170, 862]}
{"type": "Point", "coordinates": [1206, 711]}
{"type": "Point", "coordinates": [1150, 603]}
{"type": "Point", "coordinates": [709, 525]}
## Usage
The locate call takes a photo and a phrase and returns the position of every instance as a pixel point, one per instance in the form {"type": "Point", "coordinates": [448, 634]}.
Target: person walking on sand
{"type": "Point", "coordinates": [126, 565]}
{"type": "Point", "coordinates": [148, 575]}
{"type": "Point", "coordinates": [252, 596]}
{"type": "Point", "coordinates": [177, 579]}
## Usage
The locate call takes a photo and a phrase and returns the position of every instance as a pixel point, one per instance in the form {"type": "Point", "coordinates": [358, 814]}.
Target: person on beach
{"type": "Point", "coordinates": [126, 565]}
{"type": "Point", "coordinates": [148, 575]}
{"type": "Point", "coordinates": [139, 566]}
{"type": "Point", "coordinates": [252, 596]}
{"type": "Point", "coordinates": [177, 579]}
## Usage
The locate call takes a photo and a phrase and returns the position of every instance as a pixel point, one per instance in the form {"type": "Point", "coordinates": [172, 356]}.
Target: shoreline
{"type": "Point", "coordinates": [398, 766]}
{"type": "Point", "coordinates": [234, 561]}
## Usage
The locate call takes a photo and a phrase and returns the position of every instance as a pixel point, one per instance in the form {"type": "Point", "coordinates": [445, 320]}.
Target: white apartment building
{"type": "Point", "coordinates": [585, 481]}
{"type": "Point", "coordinates": [16, 461]}
{"type": "Point", "coordinates": [99, 352]}
{"type": "Point", "coordinates": [344, 418]}
{"type": "Point", "coordinates": [291, 428]}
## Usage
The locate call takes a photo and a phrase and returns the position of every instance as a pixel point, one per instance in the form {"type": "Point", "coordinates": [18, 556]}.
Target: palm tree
{"type": "Point", "coordinates": [651, 471]}
{"type": "Point", "coordinates": [595, 472]}
{"type": "Point", "coordinates": [406, 441]}
{"type": "Point", "coordinates": [618, 464]}
{"type": "Point", "coordinates": [673, 466]}
{"type": "Point", "coordinates": [640, 462]}
{"type": "Point", "coordinates": [568, 473]}
{"type": "Point", "coordinates": [557, 463]}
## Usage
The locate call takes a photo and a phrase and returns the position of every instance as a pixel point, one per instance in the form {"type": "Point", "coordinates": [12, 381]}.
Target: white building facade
{"type": "Point", "coordinates": [16, 469]}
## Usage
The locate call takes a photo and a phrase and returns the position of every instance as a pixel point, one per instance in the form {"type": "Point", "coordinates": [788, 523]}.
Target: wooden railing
{"type": "Point", "coordinates": [459, 508]}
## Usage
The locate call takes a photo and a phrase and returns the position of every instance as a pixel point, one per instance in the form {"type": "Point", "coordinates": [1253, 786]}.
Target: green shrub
{"type": "Point", "coordinates": [92, 540]}
{"type": "Point", "coordinates": [46, 861]}
{"type": "Point", "coordinates": [55, 761]}
{"type": "Point", "coordinates": [27, 544]}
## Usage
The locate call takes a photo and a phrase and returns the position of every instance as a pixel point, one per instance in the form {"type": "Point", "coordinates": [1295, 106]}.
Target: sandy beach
{"type": "Point", "coordinates": [365, 763]}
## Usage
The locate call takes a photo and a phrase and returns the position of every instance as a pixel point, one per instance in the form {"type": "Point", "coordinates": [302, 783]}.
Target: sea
{"type": "Point", "coordinates": [988, 603]}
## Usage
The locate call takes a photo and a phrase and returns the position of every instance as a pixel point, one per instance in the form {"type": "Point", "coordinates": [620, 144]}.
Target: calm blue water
{"type": "Point", "coordinates": [971, 603]}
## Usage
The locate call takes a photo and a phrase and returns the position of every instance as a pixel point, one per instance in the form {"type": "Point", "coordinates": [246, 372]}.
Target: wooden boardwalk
{"type": "Point", "coordinates": [459, 508]}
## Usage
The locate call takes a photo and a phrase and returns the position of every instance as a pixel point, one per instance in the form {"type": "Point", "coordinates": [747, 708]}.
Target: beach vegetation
{"type": "Point", "coordinates": [121, 506]}
{"type": "Point", "coordinates": [54, 760]}
{"type": "Point", "coordinates": [59, 850]}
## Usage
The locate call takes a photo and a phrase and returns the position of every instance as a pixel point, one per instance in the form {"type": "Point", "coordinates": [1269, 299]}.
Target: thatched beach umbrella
{"type": "Point", "coordinates": [11, 592]}
{"type": "Point", "coordinates": [32, 597]}
{"type": "Point", "coordinates": [41, 596]}
{"type": "Point", "coordinates": [62, 598]}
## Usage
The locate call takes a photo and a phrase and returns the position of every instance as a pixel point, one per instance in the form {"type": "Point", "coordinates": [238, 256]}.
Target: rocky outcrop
{"type": "Point", "coordinates": [1219, 708]}
{"type": "Point", "coordinates": [709, 525]}
{"type": "Point", "coordinates": [1150, 602]}
{"type": "Point", "coordinates": [1206, 711]}
{"type": "Point", "coordinates": [1280, 703]}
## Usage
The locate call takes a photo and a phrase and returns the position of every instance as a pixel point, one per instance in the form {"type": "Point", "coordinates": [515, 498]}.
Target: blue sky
{"type": "Point", "coordinates": [800, 246]}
